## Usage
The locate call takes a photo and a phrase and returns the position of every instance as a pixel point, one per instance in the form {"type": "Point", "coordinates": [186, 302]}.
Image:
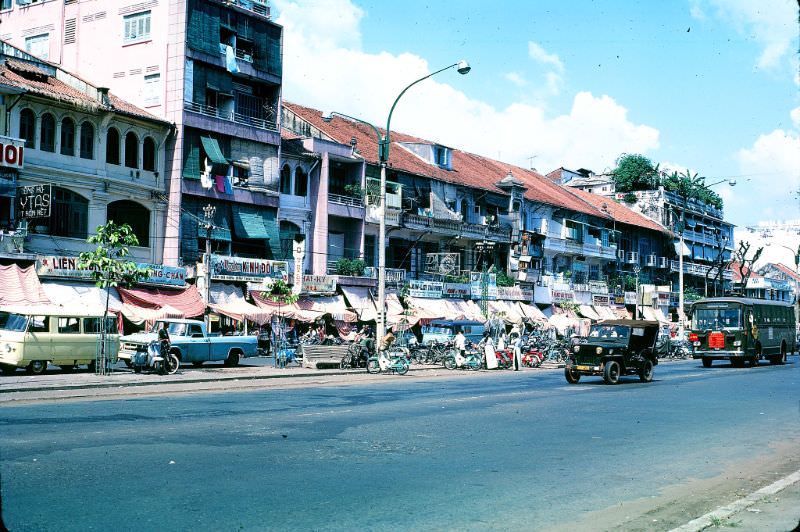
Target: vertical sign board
{"type": "Point", "coordinates": [12, 152]}
{"type": "Point", "coordinates": [34, 201]}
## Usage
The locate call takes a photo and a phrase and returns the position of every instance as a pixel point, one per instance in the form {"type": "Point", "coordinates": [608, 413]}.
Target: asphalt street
{"type": "Point", "coordinates": [502, 450]}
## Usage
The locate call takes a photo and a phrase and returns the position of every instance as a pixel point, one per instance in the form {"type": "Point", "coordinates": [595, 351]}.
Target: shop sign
{"type": "Point", "coordinates": [456, 290]}
{"type": "Point", "coordinates": [33, 201]}
{"type": "Point", "coordinates": [429, 289]}
{"type": "Point", "coordinates": [225, 268]}
{"type": "Point", "coordinates": [514, 293]}
{"type": "Point", "coordinates": [630, 298]}
{"type": "Point", "coordinates": [319, 284]}
{"type": "Point", "coordinates": [392, 275]}
{"type": "Point", "coordinates": [67, 268]}
{"type": "Point", "coordinates": [476, 285]}
{"type": "Point", "coordinates": [619, 300]}
{"type": "Point", "coordinates": [12, 152]}
{"type": "Point", "coordinates": [563, 296]}
{"type": "Point", "coordinates": [663, 298]}
{"type": "Point", "coordinates": [602, 300]}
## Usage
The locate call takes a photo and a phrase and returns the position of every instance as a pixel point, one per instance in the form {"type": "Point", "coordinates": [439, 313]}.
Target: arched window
{"type": "Point", "coordinates": [67, 136]}
{"type": "Point", "coordinates": [300, 182]}
{"type": "Point", "coordinates": [112, 146]}
{"type": "Point", "coordinates": [27, 127]}
{"type": "Point", "coordinates": [48, 133]}
{"type": "Point", "coordinates": [87, 141]}
{"type": "Point", "coordinates": [69, 215]}
{"type": "Point", "coordinates": [286, 180]}
{"type": "Point", "coordinates": [288, 231]}
{"type": "Point", "coordinates": [131, 150]}
{"type": "Point", "coordinates": [149, 154]}
{"type": "Point", "coordinates": [135, 215]}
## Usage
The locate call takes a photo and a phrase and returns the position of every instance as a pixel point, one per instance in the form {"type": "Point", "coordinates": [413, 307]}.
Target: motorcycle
{"type": "Point", "coordinates": [154, 360]}
{"type": "Point", "coordinates": [390, 362]}
{"type": "Point", "coordinates": [472, 360]}
{"type": "Point", "coordinates": [532, 359]}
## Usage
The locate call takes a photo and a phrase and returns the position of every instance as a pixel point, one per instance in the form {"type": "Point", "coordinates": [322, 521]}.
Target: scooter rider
{"type": "Point", "coordinates": [461, 345]}
{"type": "Point", "coordinates": [164, 343]}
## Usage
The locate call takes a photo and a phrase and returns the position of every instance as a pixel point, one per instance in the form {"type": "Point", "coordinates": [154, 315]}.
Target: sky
{"type": "Point", "coordinates": [709, 86]}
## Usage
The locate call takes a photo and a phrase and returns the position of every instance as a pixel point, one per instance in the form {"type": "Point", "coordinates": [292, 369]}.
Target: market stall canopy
{"type": "Point", "coordinates": [606, 313]}
{"type": "Point", "coordinates": [532, 312]}
{"type": "Point", "coordinates": [509, 311]}
{"type": "Point", "coordinates": [290, 311]}
{"type": "Point", "coordinates": [228, 300]}
{"type": "Point", "coordinates": [333, 305]}
{"type": "Point", "coordinates": [431, 309]}
{"type": "Point", "coordinates": [467, 309]}
{"type": "Point", "coordinates": [588, 312]}
{"type": "Point", "coordinates": [361, 302]}
{"type": "Point", "coordinates": [139, 315]}
{"type": "Point", "coordinates": [475, 312]}
{"type": "Point", "coordinates": [187, 300]}
{"type": "Point", "coordinates": [72, 295]}
{"type": "Point", "coordinates": [21, 286]}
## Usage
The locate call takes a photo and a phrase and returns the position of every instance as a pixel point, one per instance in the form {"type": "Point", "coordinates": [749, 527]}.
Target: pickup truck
{"type": "Point", "coordinates": [191, 342]}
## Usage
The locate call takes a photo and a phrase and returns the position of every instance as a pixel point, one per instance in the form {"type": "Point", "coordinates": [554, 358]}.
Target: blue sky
{"type": "Point", "coordinates": [710, 85]}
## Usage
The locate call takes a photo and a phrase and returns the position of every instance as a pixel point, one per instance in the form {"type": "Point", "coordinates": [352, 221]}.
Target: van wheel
{"type": "Point", "coordinates": [611, 372]}
{"type": "Point", "coordinates": [8, 370]}
{"type": "Point", "coordinates": [707, 362]}
{"type": "Point", "coordinates": [37, 367]}
{"type": "Point", "coordinates": [233, 359]}
{"type": "Point", "coordinates": [646, 371]}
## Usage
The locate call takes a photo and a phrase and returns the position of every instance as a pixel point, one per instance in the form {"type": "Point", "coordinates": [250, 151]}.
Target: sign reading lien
{"type": "Point", "coordinates": [33, 201]}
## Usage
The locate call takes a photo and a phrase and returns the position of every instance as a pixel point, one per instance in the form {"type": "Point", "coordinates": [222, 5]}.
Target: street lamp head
{"type": "Point", "coordinates": [327, 116]}
{"type": "Point", "coordinates": [732, 182]}
{"type": "Point", "coordinates": [463, 67]}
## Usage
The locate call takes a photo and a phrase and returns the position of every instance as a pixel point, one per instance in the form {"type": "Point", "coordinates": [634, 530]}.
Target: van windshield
{"type": "Point", "coordinates": [13, 322]}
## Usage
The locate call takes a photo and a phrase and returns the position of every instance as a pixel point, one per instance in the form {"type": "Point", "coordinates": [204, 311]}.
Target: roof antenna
{"type": "Point", "coordinates": [530, 161]}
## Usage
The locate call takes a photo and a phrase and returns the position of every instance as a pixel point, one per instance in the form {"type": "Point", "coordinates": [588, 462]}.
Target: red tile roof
{"type": "Point", "coordinates": [619, 212]}
{"type": "Point", "coordinates": [38, 80]}
{"type": "Point", "coordinates": [787, 271]}
{"type": "Point", "coordinates": [467, 169]}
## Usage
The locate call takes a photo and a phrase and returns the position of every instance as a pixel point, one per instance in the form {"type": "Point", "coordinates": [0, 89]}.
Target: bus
{"type": "Point", "coordinates": [742, 330]}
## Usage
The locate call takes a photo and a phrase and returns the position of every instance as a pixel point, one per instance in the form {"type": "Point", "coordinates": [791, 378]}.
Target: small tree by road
{"type": "Point", "coordinates": [110, 268]}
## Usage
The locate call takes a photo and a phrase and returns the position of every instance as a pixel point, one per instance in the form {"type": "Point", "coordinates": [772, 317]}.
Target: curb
{"type": "Point", "coordinates": [712, 518]}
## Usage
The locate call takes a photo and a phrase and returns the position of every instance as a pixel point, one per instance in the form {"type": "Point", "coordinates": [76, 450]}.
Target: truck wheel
{"type": "Point", "coordinates": [233, 359]}
{"type": "Point", "coordinates": [707, 362]}
{"type": "Point", "coordinates": [572, 376]}
{"type": "Point", "coordinates": [37, 367]}
{"type": "Point", "coordinates": [611, 372]}
{"type": "Point", "coordinates": [646, 372]}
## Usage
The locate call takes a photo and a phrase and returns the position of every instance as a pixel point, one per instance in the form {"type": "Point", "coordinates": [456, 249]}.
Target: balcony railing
{"type": "Point", "coordinates": [372, 215]}
{"type": "Point", "coordinates": [456, 227]}
{"type": "Point", "coordinates": [259, 7]}
{"type": "Point", "coordinates": [350, 201]}
{"type": "Point", "coordinates": [231, 116]}
{"type": "Point", "coordinates": [578, 248]}
{"type": "Point", "coordinates": [693, 268]}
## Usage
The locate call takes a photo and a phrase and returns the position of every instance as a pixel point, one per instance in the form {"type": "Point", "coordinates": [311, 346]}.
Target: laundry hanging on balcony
{"type": "Point", "coordinates": [230, 59]}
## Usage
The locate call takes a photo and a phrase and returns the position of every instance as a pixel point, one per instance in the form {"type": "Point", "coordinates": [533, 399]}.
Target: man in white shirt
{"type": "Point", "coordinates": [461, 346]}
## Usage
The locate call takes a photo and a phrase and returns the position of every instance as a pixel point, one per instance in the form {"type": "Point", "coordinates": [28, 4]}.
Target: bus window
{"type": "Point", "coordinates": [69, 326]}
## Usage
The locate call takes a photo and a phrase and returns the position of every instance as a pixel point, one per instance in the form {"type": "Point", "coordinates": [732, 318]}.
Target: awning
{"type": "Point", "coordinates": [393, 305]}
{"type": "Point", "coordinates": [333, 305]}
{"type": "Point", "coordinates": [431, 309]}
{"type": "Point", "coordinates": [605, 313]}
{"type": "Point", "coordinates": [468, 309]}
{"type": "Point", "coordinates": [228, 300]}
{"type": "Point", "coordinates": [21, 286]}
{"type": "Point", "coordinates": [361, 302]}
{"type": "Point", "coordinates": [660, 315]}
{"type": "Point", "coordinates": [187, 301]}
{"type": "Point", "coordinates": [648, 313]}
{"type": "Point", "coordinates": [510, 312]}
{"type": "Point", "coordinates": [291, 311]}
{"type": "Point", "coordinates": [588, 312]}
{"type": "Point", "coordinates": [622, 313]}
{"type": "Point", "coordinates": [225, 293]}
{"type": "Point", "coordinates": [139, 315]}
{"type": "Point", "coordinates": [75, 294]}
{"type": "Point", "coordinates": [214, 153]}
{"type": "Point", "coordinates": [249, 224]}
{"type": "Point", "coordinates": [532, 312]}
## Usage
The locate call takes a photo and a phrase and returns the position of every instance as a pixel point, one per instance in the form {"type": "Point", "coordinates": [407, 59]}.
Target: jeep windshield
{"type": "Point", "coordinates": [608, 332]}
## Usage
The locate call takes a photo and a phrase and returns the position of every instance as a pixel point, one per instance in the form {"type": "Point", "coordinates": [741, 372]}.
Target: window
{"type": "Point", "coordinates": [27, 127]}
{"type": "Point", "coordinates": [131, 150]}
{"type": "Point", "coordinates": [574, 231]}
{"type": "Point", "coordinates": [286, 180]}
{"type": "Point", "coordinates": [68, 136]}
{"type": "Point", "coordinates": [70, 214]}
{"type": "Point", "coordinates": [87, 141]}
{"type": "Point", "coordinates": [5, 4]}
{"type": "Point", "coordinates": [92, 325]}
{"type": "Point", "coordinates": [38, 45]}
{"type": "Point", "coordinates": [300, 182]}
{"type": "Point", "coordinates": [137, 27]}
{"type": "Point", "coordinates": [152, 89]}
{"type": "Point", "coordinates": [40, 324]}
{"type": "Point", "coordinates": [112, 146]}
{"type": "Point", "coordinates": [135, 215]}
{"type": "Point", "coordinates": [69, 326]}
{"type": "Point", "coordinates": [441, 156]}
{"type": "Point", "coordinates": [47, 134]}
{"type": "Point", "coordinates": [149, 154]}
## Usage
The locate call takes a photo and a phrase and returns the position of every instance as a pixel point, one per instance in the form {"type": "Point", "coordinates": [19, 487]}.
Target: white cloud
{"type": "Point", "coordinates": [696, 11]}
{"type": "Point", "coordinates": [540, 55]}
{"type": "Point", "coordinates": [772, 23]}
{"type": "Point", "coordinates": [795, 114]}
{"type": "Point", "coordinates": [516, 78]}
{"type": "Point", "coordinates": [331, 72]}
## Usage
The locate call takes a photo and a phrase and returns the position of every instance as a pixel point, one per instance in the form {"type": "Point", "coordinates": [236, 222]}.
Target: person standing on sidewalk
{"type": "Point", "coordinates": [460, 342]}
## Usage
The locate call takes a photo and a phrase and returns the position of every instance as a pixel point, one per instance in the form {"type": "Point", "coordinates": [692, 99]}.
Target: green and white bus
{"type": "Point", "coordinates": [742, 329]}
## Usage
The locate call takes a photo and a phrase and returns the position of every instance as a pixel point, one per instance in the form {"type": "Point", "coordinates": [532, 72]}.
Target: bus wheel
{"type": "Point", "coordinates": [707, 362]}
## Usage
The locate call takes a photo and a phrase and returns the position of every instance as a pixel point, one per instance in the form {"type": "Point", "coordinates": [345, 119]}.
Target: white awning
{"type": "Point", "coordinates": [532, 312]}
{"type": "Point", "coordinates": [588, 312]}
{"type": "Point", "coordinates": [81, 295]}
{"type": "Point", "coordinates": [225, 294]}
{"type": "Point", "coordinates": [361, 302]}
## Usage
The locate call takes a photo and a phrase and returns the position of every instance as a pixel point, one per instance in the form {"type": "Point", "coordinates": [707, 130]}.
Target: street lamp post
{"type": "Point", "coordinates": [636, 270]}
{"type": "Point", "coordinates": [208, 214]}
{"type": "Point", "coordinates": [383, 156]}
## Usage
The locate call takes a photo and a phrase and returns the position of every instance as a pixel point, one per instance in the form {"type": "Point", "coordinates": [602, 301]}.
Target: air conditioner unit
{"type": "Point", "coordinates": [651, 260]}
{"type": "Point", "coordinates": [663, 262]}
{"type": "Point", "coordinates": [632, 257]}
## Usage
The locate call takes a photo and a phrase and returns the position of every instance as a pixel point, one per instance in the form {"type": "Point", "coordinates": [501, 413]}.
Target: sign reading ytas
{"type": "Point", "coordinates": [224, 268]}
{"type": "Point", "coordinates": [34, 201]}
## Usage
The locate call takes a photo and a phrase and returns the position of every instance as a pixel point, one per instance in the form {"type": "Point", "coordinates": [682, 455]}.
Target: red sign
{"type": "Point", "coordinates": [716, 340]}
{"type": "Point", "coordinates": [12, 152]}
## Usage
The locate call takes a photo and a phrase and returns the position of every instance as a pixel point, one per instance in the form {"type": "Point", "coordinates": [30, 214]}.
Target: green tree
{"type": "Point", "coordinates": [110, 268]}
{"type": "Point", "coordinates": [635, 172]}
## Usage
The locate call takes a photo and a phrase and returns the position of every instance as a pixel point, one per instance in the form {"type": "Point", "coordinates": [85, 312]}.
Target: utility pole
{"type": "Point", "coordinates": [636, 270]}
{"type": "Point", "coordinates": [208, 213]}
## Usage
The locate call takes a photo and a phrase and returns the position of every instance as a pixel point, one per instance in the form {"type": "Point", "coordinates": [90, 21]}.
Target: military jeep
{"type": "Point", "coordinates": [614, 348]}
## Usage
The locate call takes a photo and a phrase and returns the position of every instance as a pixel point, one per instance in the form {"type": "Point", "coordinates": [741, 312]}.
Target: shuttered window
{"type": "Point", "coordinates": [137, 27]}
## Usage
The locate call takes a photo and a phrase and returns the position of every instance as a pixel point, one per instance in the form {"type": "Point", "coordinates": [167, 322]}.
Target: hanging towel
{"type": "Point", "coordinates": [220, 183]}
{"type": "Point", "coordinates": [205, 181]}
{"type": "Point", "coordinates": [230, 60]}
{"type": "Point", "coordinates": [228, 187]}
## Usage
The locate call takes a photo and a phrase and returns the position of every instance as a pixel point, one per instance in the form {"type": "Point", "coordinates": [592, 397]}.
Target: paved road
{"type": "Point", "coordinates": [487, 451]}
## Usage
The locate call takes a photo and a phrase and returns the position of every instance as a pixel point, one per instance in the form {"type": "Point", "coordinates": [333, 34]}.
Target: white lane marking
{"type": "Point", "coordinates": [708, 520]}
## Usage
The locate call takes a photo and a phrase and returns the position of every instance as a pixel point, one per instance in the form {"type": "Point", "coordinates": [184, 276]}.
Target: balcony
{"type": "Point", "coordinates": [373, 215]}
{"type": "Point", "coordinates": [694, 268]}
{"type": "Point", "coordinates": [350, 201]}
{"type": "Point", "coordinates": [230, 116]}
{"type": "Point", "coordinates": [259, 7]}
{"type": "Point", "coordinates": [456, 227]}
{"type": "Point", "coordinates": [564, 245]}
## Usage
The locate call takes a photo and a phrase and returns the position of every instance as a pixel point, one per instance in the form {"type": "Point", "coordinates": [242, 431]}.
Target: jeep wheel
{"type": "Point", "coordinates": [707, 362]}
{"type": "Point", "coordinates": [611, 372]}
{"type": "Point", "coordinates": [646, 371]}
{"type": "Point", "coordinates": [572, 376]}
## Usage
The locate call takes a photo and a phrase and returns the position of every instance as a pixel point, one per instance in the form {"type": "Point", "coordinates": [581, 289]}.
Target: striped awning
{"type": "Point", "coordinates": [214, 153]}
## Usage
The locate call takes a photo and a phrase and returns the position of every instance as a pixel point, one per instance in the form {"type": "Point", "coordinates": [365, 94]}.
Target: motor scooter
{"type": "Point", "coordinates": [393, 361]}
{"type": "Point", "coordinates": [154, 360]}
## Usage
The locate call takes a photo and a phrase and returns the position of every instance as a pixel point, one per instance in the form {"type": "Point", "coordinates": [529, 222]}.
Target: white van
{"type": "Point", "coordinates": [33, 337]}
